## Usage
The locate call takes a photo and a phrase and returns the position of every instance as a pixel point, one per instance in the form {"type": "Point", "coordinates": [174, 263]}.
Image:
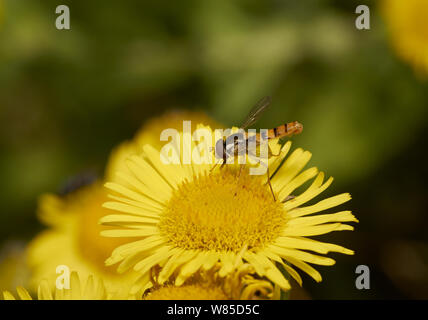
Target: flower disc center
{"type": "Point", "coordinates": [223, 213]}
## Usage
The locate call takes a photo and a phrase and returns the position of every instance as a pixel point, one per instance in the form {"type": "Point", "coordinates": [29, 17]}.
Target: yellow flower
{"type": "Point", "coordinates": [408, 27]}
{"type": "Point", "coordinates": [188, 218]}
{"type": "Point", "coordinates": [239, 285]}
{"type": "Point", "coordinates": [13, 267]}
{"type": "Point", "coordinates": [92, 290]}
{"type": "Point", "coordinates": [73, 238]}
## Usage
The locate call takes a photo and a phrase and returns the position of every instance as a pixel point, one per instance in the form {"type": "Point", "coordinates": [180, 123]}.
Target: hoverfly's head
{"type": "Point", "coordinates": [219, 149]}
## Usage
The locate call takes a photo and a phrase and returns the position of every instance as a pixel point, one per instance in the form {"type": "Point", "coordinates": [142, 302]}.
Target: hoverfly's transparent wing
{"type": "Point", "coordinates": [256, 112]}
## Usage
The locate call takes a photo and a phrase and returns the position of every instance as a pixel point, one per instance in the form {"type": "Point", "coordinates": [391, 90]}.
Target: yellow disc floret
{"type": "Point", "coordinates": [222, 212]}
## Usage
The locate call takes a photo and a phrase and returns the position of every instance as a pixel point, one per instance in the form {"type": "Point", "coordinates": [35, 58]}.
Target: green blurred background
{"type": "Point", "coordinates": [68, 96]}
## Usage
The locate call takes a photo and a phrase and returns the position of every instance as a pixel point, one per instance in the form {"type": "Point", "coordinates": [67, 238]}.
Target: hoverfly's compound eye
{"type": "Point", "coordinates": [219, 149]}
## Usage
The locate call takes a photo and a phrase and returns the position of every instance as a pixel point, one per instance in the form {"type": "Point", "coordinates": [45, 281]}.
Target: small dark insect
{"type": "Point", "coordinates": [229, 147]}
{"type": "Point", "coordinates": [76, 182]}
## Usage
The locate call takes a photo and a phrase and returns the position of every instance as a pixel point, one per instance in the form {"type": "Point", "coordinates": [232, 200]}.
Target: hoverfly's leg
{"type": "Point", "coordinates": [288, 198]}
{"type": "Point", "coordinates": [270, 185]}
{"type": "Point", "coordinates": [239, 176]}
{"type": "Point", "coordinates": [268, 176]}
{"type": "Point", "coordinates": [215, 165]}
{"type": "Point", "coordinates": [240, 170]}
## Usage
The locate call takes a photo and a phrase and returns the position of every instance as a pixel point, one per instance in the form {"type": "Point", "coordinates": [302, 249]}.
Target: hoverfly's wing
{"type": "Point", "coordinates": [256, 112]}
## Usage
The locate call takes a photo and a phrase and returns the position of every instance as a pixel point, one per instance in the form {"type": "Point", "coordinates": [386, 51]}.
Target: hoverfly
{"type": "Point", "coordinates": [227, 148]}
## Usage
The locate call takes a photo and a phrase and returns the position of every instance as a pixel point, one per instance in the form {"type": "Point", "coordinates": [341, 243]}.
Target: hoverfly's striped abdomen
{"type": "Point", "coordinates": [285, 130]}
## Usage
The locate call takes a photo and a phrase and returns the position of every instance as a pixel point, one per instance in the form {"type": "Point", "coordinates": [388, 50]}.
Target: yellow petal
{"type": "Point", "coordinates": [301, 255]}
{"type": "Point", "coordinates": [44, 293]}
{"type": "Point", "coordinates": [23, 293]}
{"type": "Point", "coordinates": [8, 296]}
{"type": "Point", "coordinates": [315, 230]}
{"type": "Point", "coordinates": [297, 182]}
{"type": "Point", "coordinates": [343, 216]}
{"type": "Point", "coordinates": [309, 244]}
{"type": "Point", "coordinates": [320, 206]}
